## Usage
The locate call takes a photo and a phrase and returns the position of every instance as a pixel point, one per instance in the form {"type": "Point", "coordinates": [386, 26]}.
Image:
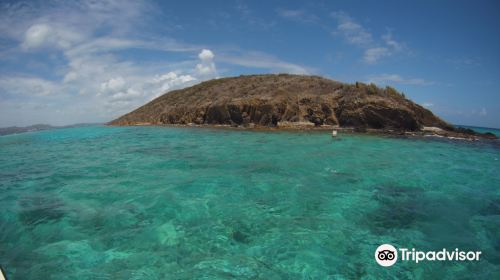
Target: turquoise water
{"type": "Point", "coordinates": [187, 203]}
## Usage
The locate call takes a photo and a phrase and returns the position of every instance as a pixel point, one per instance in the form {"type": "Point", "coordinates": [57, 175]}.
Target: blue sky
{"type": "Point", "coordinates": [64, 62]}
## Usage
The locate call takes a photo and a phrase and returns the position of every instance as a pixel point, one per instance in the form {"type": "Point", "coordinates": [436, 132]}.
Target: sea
{"type": "Point", "coordinates": [103, 202]}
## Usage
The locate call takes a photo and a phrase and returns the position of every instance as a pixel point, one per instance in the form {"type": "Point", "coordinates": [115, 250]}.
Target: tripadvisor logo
{"type": "Point", "coordinates": [387, 255]}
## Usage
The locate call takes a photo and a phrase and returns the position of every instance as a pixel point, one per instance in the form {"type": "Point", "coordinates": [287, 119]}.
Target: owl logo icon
{"type": "Point", "coordinates": [386, 255]}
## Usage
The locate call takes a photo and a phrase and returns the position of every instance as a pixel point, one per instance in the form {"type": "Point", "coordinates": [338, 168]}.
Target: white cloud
{"type": "Point", "coordinates": [206, 55]}
{"type": "Point", "coordinates": [126, 95]}
{"type": "Point", "coordinates": [354, 33]}
{"type": "Point", "coordinates": [394, 78]}
{"type": "Point", "coordinates": [37, 35]}
{"type": "Point", "coordinates": [17, 86]}
{"type": "Point", "coordinates": [44, 35]}
{"type": "Point", "coordinates": [373, 55]}
{"type": "Point", "coordinates": [391, 43]}
{"type": "Point", "coordinates": [113, 85]}
{"type": "Point", "coordinates": [120, 94]}
{"type": "Point", "coordinates": [207, 67]}
{"type": "Point", "coordinates": [297, 15]}
{"type": "Point", "coordinates": [265, 61]}
{"type": "Point", "coordinates": [428, 104]}
{"type": "Point", "coordinates": [169, 81]}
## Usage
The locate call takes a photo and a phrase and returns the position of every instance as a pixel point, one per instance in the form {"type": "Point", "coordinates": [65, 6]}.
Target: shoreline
{"type": "Point", "coordinates": [431, 133]}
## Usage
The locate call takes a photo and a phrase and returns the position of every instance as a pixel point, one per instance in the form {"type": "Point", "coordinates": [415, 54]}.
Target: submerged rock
{"type": "Point", "coordinates": [239, 236]}
{"type": "Point", "coordinates": [36, 209]}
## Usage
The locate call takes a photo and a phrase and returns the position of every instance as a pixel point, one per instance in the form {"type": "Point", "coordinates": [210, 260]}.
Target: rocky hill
{"type": "Point", "coordinates": [285, 100]}
{"type": "Point", "coordinates": [293, 101]}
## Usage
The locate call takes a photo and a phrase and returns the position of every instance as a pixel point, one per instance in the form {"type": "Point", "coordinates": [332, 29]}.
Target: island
{"type": "Point", "coordinates": [285, 101]}
{"type": "Point", "coordinates": [38, 127]}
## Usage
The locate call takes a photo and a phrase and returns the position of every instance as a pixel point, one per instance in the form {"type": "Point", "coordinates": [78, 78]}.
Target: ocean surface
{"type": "Point", "coordinates": [188, 203]}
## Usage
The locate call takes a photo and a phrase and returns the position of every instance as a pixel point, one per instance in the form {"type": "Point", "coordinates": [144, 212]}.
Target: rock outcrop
{"type": "Point", "coordinates": [269, 100]}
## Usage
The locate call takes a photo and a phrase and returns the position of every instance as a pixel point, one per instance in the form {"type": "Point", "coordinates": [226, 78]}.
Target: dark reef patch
{"type": "Point", "coordinates": [399, 207]}
{"type": "Point", "coordinates": [38, 209]}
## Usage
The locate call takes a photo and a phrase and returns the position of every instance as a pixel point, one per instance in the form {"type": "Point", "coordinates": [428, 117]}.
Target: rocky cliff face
{"type": "Point", "coordinates": [270, 100]}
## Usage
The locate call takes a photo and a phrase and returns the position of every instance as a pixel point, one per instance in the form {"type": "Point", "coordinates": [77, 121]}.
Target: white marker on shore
{"type": "Point", "coordinates": [2, 275]}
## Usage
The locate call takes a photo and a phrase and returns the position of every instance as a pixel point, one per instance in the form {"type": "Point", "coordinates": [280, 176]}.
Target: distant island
{"type": "Point", "coordinates": [16, 129]}
{"type": "Point", "coordinates": [292, 102]}
{"type": "Point", "coordinates": [36, 127]}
